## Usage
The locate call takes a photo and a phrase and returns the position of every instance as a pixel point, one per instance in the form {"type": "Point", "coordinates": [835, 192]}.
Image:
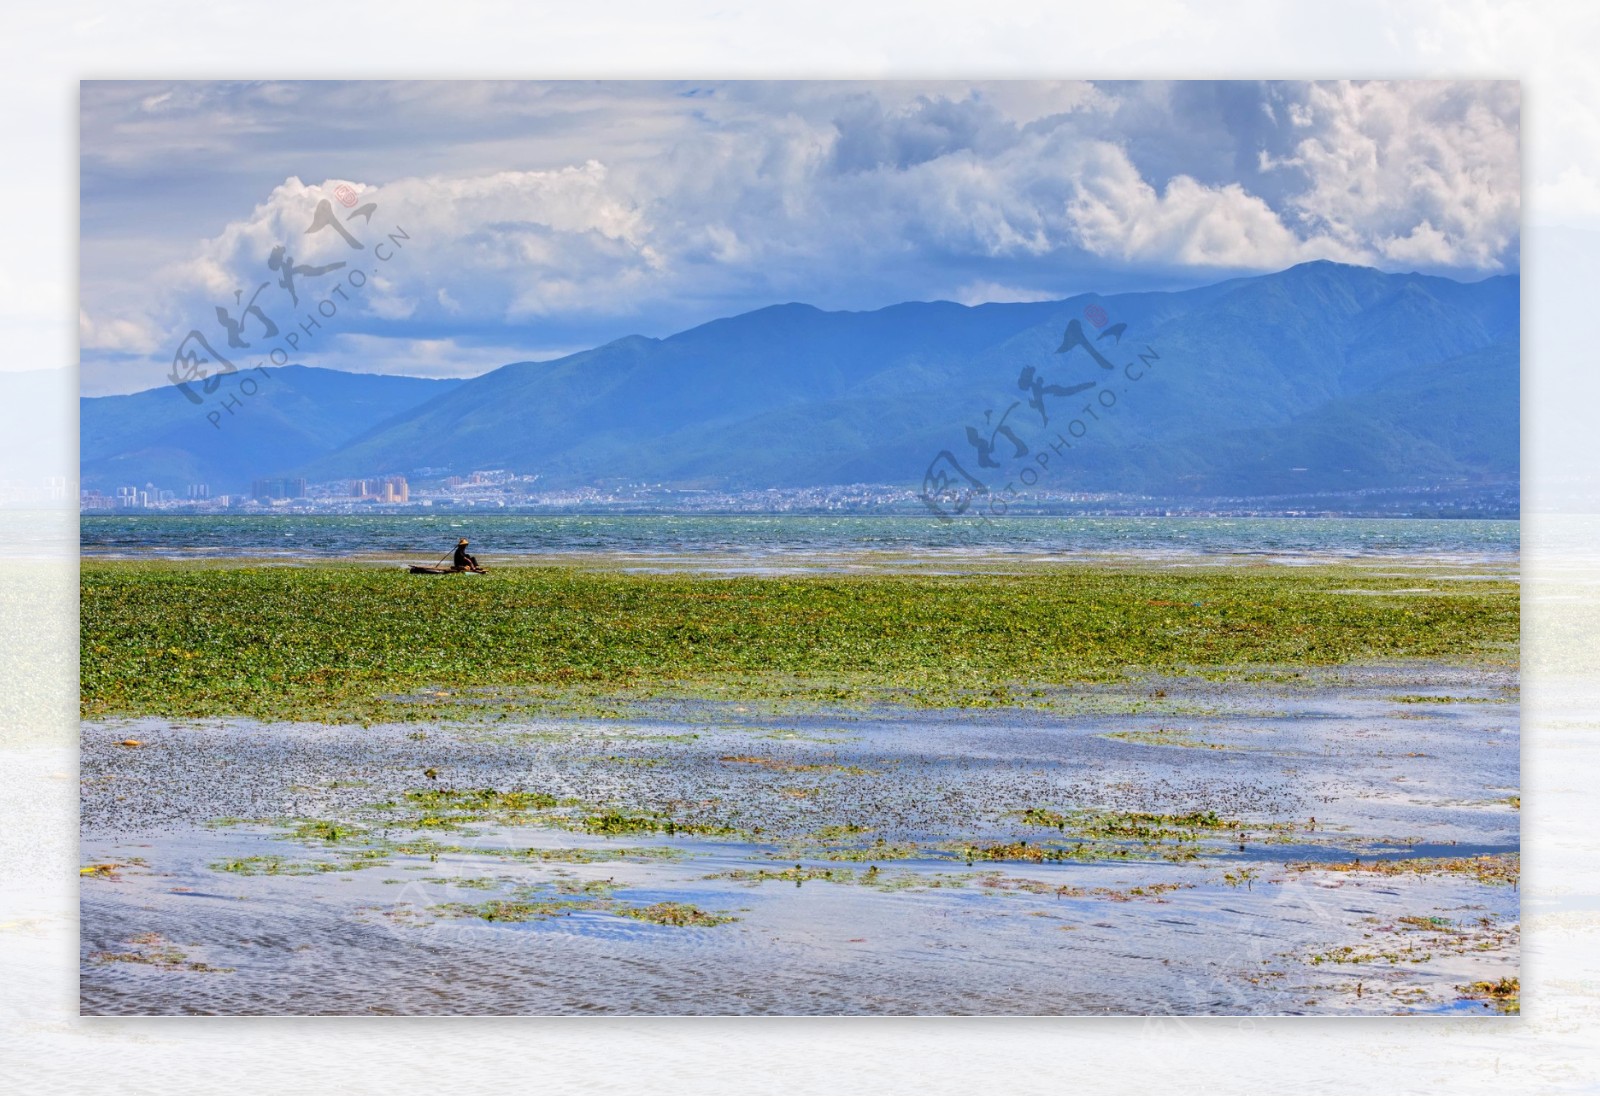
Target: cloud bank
{"type": "Point", "coordinates": [545, 217]}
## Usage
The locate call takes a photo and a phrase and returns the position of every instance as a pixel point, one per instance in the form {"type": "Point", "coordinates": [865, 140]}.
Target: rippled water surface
{"type": "Point", "coordinates": [833, 859]}
{"type": "Point", "coordinates": [765, 537]}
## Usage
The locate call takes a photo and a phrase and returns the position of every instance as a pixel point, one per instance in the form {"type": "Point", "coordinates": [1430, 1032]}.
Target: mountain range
{"type": "Point", "coordinates": [1321, 377]}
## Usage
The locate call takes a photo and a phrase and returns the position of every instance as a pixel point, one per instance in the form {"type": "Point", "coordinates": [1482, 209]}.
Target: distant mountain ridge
{"type": "Point", "coordinates": [296, 414]}
{"type": "Point", "coordinates": [1319, 377]}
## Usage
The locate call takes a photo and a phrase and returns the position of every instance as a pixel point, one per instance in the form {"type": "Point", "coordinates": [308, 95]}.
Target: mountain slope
{"type": "Point", "coordinates": [1250, 372]}
{"type": "Point", "coordinates": [1322, 377]}
{"type": "Point", "coordinates": [297, 413]}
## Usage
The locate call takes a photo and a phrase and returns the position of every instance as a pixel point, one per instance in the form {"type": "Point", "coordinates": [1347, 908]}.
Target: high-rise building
{"type": "Point", "coordinates": [267, 490]}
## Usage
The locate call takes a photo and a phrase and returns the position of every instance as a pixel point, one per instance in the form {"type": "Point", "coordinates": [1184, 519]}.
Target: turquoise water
{"type": "Point", "coordinates": [756, 536]}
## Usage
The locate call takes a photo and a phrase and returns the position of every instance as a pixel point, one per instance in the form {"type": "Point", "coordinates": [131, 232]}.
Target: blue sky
{"type": "Point", "coordinates": [545, 218]}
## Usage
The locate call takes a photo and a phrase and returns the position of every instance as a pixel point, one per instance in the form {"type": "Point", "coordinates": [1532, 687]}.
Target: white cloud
{"type": "Point", "coordinates": [844, 195]}
{"type": "Point", "coordinates": [1117, 213]}
{"type": "Point", "coordinates": [1424, 244]}
{"type": "Point", "coordinates": [1432, 163]}
{"type": "Point", "coordinates": [448, 357]}
{"type": "Point", "coordinates": [982, 293]}
{"type": "Point", "coordinates": [115, 334]}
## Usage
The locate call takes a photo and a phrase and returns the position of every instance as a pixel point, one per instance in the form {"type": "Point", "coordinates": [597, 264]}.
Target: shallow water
{"type": "Point", "coordinates": [768, 541]}
{"type": "Point", "coordinates": [1252, 930]}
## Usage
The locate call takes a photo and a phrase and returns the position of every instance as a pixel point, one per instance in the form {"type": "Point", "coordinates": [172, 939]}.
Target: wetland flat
{"type": "Point", "coordinates": [1145, 846]}
{"type": "Point", "coordinates": [821, 781]}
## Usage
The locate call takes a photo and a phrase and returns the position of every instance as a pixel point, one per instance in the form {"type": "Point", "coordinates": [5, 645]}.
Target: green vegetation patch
{"type": "Point", "coordinates": [1001, 883]}
{"type": "Point", "coordinates": [340, 643]}
{"type": "Point", "coordinates": [1505, 995]}
{"type": "Point", "coordinates": [795, 875]}
{"type": "Point", "coordinates": [538, 910]}
{"type": "Point", "coordinates": [1164, 737]}
{"type": "Point", "coordinates": [157, 952]}
{"type": "Point", "coordinates": [515, 910]}
{"type": "Point", "coordinates": [674, 914]}
{"type": "Point", "coordinates": [578, 856]}
{"type": "Point", "coordinates": [622, 821]}
{"type": "Point", "coordinates": [881, 850]}
{"type": "Point", "coordinates": [1490, 868]}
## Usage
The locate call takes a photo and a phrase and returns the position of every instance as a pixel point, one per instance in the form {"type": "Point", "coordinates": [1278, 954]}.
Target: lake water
{"type": "Point", "coordinates": [212, 898]}
{"type": "Point", "coordinates": [759, 536]}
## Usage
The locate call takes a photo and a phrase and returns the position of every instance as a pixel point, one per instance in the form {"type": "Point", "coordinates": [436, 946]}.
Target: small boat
{"type": "Point", "coordinates": [423, 569]}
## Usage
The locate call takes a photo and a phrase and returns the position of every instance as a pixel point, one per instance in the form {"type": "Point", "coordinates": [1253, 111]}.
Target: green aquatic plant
{"type": "Point", "coordinates": [1504, 994]}
{"type": "Point", "coordinates": [275, 865]}
{"type": "Point", "coordinates": [1402, 952]}
{"type": "Point", "coordinates": [1424, 921]}
{"type": "Point", "coordinates": [1489, 868]}
{"type": "Point", "coordinates": [327, 832]}
{"type": "Point", "coordinates": [674, 914]}
{"type": "Point", "coordinates": [995, 881]}
{"type": "Point", "coordinates": [340, 642]}
{"type": "Point", "coordinates": [482, 800]}
{"type": "Point", "coordinates": [515, 910]}
{"type": "Point", "coordinates": [580, 856]}
{"type": "Point", "coordinates": [797, 875]}
{"type": "Point", "coordinates": [881, 850]}
{"type": "Point", "coordinates": [1163, 737]}
{"type": "Point", "coordinates": [1017, 851]}
{"type": "Point", "coordinates": [1043, 817]}
{"type": "Point", "coordinates": [480, 883]}
{"type": "Point", "coordinates": [156, 951]}
{"type": "Point", "coordinates": [621, 821]}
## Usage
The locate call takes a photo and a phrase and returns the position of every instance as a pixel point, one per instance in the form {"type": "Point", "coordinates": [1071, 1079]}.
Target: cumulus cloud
{"type": "Point", "coordinates": [444, 357]}
{"type": "Point", "coordinates": [1116, 212]}
{"type": "Point", "coordinates": [560, 215]}
{"type": "Point", "coordinates": [116, 334]}
{"type": "Point", "coordinates": [1412, 170]}
{"type": "Point", "coordinates": [983, 293]}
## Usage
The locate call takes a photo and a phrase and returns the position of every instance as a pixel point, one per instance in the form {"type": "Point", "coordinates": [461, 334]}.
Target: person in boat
{"type": "Point", "coordinates": [464, 561]}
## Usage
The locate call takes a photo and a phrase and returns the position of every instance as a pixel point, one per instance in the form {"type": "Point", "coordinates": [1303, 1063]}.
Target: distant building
{"type": "Point", "coordinates": [267, 490]}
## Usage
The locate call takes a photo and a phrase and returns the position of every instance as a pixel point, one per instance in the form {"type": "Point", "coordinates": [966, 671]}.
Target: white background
{"type": "Point", "coordinates": [1554, 48]}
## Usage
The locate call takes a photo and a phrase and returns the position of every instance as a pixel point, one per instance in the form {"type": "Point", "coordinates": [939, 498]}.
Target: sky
{"type": "Point", "coordinates": [503, 222]}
